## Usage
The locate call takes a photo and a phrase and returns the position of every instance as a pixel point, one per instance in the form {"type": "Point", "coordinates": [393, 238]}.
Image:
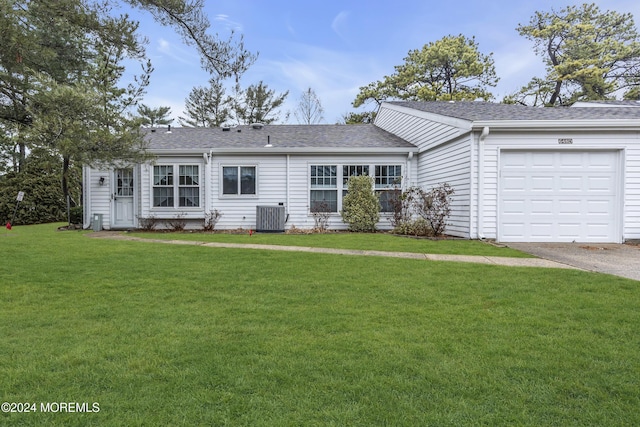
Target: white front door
{"type": "Point", "coordinates": [123, 198]}
{"type": "Point", "coordinates": [559, 196]}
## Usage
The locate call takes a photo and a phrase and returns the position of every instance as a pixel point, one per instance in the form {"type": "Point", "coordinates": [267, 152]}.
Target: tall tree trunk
{"type": "Point", "coordinates": [65, 180]}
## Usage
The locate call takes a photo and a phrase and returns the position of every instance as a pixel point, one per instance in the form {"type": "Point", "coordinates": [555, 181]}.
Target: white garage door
{"type": "Point", "coordinates": [558, 196]}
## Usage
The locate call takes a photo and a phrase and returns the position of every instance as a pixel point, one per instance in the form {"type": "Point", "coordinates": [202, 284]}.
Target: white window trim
{"type": "Point", "coordinates": [221, 194]}
{"type": "Point", "coordinates": [340, 176]}
{"type": "Point", "coordinates": [176, 186]}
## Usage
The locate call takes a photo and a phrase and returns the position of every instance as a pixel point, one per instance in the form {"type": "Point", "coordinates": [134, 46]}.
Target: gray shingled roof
{"type": "Point", "coordinates": [485, 111]}
{"type": "Point", "coordinates": [282, 136]}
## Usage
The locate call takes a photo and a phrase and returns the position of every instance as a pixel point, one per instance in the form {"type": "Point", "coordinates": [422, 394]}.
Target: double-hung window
{"type": "Point", "coordinates": [352, 170]}
{"type": "Point", "coordinates": [388, 179]}
{"type": "Point", "coordinates": [239, 180]}
{"type": "Point", "coordinates": [326, 196]}
{"type": "Point", "coordinates": [189, 186]}
{"type": "Point", "coordinates": [324, 188]}
{"type": "Point", "coordinates": [171, 193]}
{"type": "Point", "coordinates": [163, 186]}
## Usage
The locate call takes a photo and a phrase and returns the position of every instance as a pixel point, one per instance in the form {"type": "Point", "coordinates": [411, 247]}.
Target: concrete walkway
{"type": "Point", "coordinates": [494, 260]}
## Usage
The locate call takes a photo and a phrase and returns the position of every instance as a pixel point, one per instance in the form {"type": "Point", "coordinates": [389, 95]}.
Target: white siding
{"type": "Point", "coordinates": [99, 201]}
{"type": "Point", "coordinates": [240, 211]}
{"type": "Point", "coordinates": [423, 133]}
{"type": "Point", "coordinates": [450, 163]}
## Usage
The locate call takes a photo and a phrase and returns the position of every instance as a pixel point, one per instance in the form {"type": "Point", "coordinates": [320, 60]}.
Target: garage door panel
{"type": "Point", "coordinates": [541, 159]}
{"type": "Point", "coordinates": [562, 196]}
{"type": "Point", "coordinates": [541, 183]}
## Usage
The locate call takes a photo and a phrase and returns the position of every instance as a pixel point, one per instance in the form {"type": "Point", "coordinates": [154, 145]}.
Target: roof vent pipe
{"type": "Point", "coordinates": [169, 129]}
{"type": "Point", "coordinates": [268, 142]}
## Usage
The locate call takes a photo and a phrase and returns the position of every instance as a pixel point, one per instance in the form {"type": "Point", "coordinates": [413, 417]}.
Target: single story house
{"type": "Point", "coordinates": [519, 173]}
{"type": "Point", "coordinates": [285, 172]}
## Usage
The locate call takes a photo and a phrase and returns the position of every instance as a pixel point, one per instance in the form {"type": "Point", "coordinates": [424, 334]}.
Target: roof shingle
{"type": "Point", "coordinates": [283, 136]}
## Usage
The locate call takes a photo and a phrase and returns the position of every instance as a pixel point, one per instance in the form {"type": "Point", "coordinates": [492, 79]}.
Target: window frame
{"type": "Point", "coordinates": [239, 183]}
{"type": "Point", "coordinates": [380, 182]}
{"type": "Point", "coordinates": [175, 185]}
{"type": "Point", "coordinates": [325, 183]}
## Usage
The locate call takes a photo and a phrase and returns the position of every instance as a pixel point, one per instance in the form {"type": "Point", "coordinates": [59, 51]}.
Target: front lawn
{"type": "Point", "coordinates": [190, 335]}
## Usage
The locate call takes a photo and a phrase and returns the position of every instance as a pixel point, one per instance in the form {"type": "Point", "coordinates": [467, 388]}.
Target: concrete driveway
{"type": "Point", "coordinates": [619, 260]}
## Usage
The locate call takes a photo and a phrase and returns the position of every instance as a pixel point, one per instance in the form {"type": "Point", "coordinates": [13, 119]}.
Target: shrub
{"type": "Point", "coordinates": [361, 207]}
{"type": "Point", "coordinates": [422, 213]}
{"type": "Point", "coordinates": [75, 215]}
{"type": "Point", "coordinates": [435, 207]}
{"type": "Point", "coordinates": [177, 223]}
{"type": "Point", "coordinates": [321, 217]}
{"type": "Point", "coordinates": [148, 223]}
{"type": "Point", "coordinates": [211, 219]}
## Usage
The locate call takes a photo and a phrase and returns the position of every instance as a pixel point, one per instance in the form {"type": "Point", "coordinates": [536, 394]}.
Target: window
{"type": "Point", "coordinates": [163, 186]}
{"type": "Point", "coordinates": [388, 180]}
{"type": "Point", "coordinates": [324, 188]}
{"type": "Point", "coordinates": [187, 187]}
{"type": "Point", "coordinates": [323, 179]}
{"type": "Point", "coordinates": [239, 180]}
{"type": "Point", "coordinates": [352, 170]}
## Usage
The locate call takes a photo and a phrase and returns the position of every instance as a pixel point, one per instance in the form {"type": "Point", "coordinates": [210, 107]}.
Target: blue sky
{"type": "Point", "coordinates": [335, 47]}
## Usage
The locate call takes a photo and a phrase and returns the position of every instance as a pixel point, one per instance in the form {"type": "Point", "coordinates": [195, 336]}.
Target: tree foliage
{"type": "Point", "coordinates": [152, 117]}
{"type": "Point", "coordinates": [588, 54]}
{"type": "Point", "coordinates": [259, 104]}
{"type": "Point", "coordinates": [354, 118]}
{"type": "Point", "coordinates": [452, 68]}
{"type": "Point", "coordinates": [62, 76]}
{"type": "Point", "coordinates": [207, 106]}
{"type": "Point", "coordinates": [361, 206]}
{"type": "Point", "coordinates": [309, 111]}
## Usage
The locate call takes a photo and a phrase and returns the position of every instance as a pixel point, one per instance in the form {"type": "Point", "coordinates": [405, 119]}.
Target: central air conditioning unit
{"type": "Point", "coordinates": [270, 219]}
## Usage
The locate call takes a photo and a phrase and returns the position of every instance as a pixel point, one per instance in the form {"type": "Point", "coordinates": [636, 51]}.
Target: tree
{"type": "Point", "coordinates": [451, 68]}
{"type": "Point", "coordinates": [259, 104]}
{"type": "Point", "coordinates": [358, 118]}
{"type": "Point", "coordinates": [61, 75]}
{"type": "Point", "coordinates": [153, 117]}
{"type": "Point", "coordinates": [588, 54]}
{"type": "Point", "coordinates": [309, 111]}
{"type": "Point", "coordinates": [207, 106]}
{"type": "Point", "coordinates": [361, 206]}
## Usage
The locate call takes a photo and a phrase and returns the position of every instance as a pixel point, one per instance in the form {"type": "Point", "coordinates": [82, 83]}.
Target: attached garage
{"type": "Point", "coordinates": [528, 174]}
{"type": "Point", "coordinates": [559, 196]}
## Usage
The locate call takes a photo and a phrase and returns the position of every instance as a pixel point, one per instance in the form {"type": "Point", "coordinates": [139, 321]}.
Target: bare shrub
{"type": "Point", "coordinates": [147, 223]}
{"type": "Point", "coordinates": [177, 223]}
{"type": "Point", "coordinates": [432, 209]}
{"type": "Point", "coordinates": [321, 216]}
{"type": "Point", "coordinates": [211, 219]}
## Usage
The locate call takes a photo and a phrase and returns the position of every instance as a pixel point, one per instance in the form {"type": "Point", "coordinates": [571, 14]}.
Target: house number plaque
{"type": "Point", "coordinates": [565, 140]}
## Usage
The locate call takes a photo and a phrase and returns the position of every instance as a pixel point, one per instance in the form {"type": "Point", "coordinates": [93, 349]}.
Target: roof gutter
{"type": "Point", "coordinates": [630, 124]}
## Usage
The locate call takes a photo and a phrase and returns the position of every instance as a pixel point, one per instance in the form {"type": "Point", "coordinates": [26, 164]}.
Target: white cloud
{"type": "Point", "coordinates": [176, 52]}
{"type": "Point", "coordinates": [339, 24]}
{"type": "Point", "coordinates": [228, 23]}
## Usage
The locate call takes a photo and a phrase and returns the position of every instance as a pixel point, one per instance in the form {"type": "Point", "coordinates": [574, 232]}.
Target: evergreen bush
{"type": "Point", "coordinates": [361, 206]}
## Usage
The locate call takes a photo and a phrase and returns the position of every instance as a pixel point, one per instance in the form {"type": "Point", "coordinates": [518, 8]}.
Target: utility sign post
{"type": "Point", "coordinates": [19, 198]}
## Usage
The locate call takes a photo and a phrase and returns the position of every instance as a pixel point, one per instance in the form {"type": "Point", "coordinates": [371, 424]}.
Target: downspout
{"type": "Point", "coordinates": [409, 157]}
{"type": "Point", "coordinates": [287, 191]}
{"type": "Point", "coordinates": [207, 180]}
{"type": "Point", "coordinates": [483, 136]}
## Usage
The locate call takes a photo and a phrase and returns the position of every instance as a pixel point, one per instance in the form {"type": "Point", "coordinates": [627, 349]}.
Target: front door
{"type": "Point", "coordinates": [123, 198]}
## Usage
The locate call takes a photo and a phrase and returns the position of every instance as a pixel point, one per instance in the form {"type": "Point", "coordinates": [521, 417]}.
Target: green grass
{"type": "Point", "coordinates": [357, 241]}
{"type": "Point", "coordinates": [189, 335]}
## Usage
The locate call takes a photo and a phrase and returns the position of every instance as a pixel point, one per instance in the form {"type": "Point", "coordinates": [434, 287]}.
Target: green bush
{"type": "Point", "coordinates": [361, 207]}
{"type": "Point", "coordinates": [75, 215]}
